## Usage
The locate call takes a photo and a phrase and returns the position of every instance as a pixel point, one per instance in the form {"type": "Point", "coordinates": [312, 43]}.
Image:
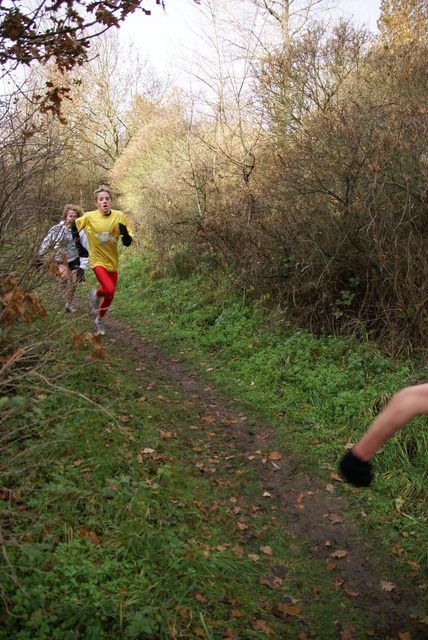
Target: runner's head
{"type": "Point", "coordinates": [103, 199]}
{"type": "Point", "coordinates": [71, 212]}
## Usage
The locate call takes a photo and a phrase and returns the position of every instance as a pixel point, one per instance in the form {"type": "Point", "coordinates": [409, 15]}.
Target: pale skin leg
{"type": "Point", "coordinates": [405, 405]}
{"type": "Point", "coordinates": [66, 273]}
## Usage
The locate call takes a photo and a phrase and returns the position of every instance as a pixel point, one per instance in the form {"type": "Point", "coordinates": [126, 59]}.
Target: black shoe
{"type": "Point", "coordinates": [356, 471]}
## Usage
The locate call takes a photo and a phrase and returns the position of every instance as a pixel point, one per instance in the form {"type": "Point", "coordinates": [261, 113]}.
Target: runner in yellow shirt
{"type": "Point", "coordinates": [103, 228]}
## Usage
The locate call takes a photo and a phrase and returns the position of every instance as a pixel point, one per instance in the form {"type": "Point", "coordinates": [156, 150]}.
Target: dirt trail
{"type": "Point", "coordinates": [311, 512]}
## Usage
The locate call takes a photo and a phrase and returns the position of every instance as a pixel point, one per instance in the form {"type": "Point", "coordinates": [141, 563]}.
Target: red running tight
{"type": "Point", "coordinates": [107, 280]}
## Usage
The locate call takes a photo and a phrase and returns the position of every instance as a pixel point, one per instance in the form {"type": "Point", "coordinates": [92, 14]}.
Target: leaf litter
{"type": "Point", "coordinates": [323, 516]}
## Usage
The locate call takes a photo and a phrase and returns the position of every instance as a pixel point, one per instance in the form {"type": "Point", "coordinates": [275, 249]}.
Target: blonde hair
{"type": "Point", "coordinates": [72, 207]}
{"type": "Point", "coordinates": [105, 188]}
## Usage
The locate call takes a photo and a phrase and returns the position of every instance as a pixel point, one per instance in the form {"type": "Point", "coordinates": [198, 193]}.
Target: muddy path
{"type": "Point", "coordinates": [386, 598]}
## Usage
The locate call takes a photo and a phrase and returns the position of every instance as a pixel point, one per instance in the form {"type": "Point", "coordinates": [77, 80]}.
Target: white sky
{"type": "Point", "coordinates": [161, 35]}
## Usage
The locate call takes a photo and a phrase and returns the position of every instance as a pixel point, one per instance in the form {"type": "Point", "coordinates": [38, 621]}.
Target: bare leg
{"type": "Point", "coordinates": [72, 287]}
{"type": "Point", "coordinates": [405, 405]}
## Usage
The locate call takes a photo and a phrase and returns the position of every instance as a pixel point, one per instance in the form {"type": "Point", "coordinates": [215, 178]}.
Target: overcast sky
{"type": "Point", "coordinates": [161, 35]}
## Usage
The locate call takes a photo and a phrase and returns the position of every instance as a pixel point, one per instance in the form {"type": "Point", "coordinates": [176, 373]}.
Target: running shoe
{"type": "Point", "coordinates": [99, 325]}
{"type": "Point", "coordinates": [94, 303]}
{"type": "Point", "coordinates": [69, 308]}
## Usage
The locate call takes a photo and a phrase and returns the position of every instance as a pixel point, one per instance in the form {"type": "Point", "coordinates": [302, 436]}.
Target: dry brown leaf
{"type": "Point", "coordinates": [348, 634]}
{"type": "Point", "coordinates": [352, 594]}
{"type": "Point", "coordinates": [404, 635]}
{"type": "Point", "coordinates": [387, 586]}
{"type": "Point", "coordinates": [271, 581]}
{"type": "Point", "coordinates": [275, 455]}
{"type": "Point", "coordinates": [335, 476]}
{"type": "Point", "coordinates": [340, 553]}
{"type": "Point", "coordinates": [267, 551]}
{"type": "Point", "coordinates": [329, 488]}
{"type": "Point", "coordinates": [200, 598]}
{"type": "Point", "coordinates": [261, 625]}
{"type": "Point", "coordinates": [235, 613]}
{"type": "Point", "coordinates": [335, 518]}
{"type": "Point", "coordinates": [254, 557]}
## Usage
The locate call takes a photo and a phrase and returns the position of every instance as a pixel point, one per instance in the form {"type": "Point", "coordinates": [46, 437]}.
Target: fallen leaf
{"type": "Point", "coordinates": [271, 581]}
{"type": "Point", "coordinates": [200, 598]}
{"type": "Point", "coordinates": [275, 455]}
{"type": "Point", "coordinates": [348, 634]}
{"type": "Point", "coordinates": [329, 488]}
{"type": "Point", "coordinates": [267, 551]}
{"type": "Point", "coordinates": [261, 625]}
{"type": "Point", "coordinates": [235, 613]}
{"type": "Point", "coordinates": [338, 554]}
{"type": "Point", "coordinates": [334, 518]}
{"type": "Point", "coordinates": [164, 400]}
{"type": "Point", "coordinates": [387, 586]}
{"type": "Point", "coordinates": [338, 583]}
{"type": "Point", "coordinates": [335, 476]}
{"type": "Point", "coordinates": [254, 557]}
{"type": "Point", "coordinates": [398, 551]}
{"type": "Point", "coordinates": [331, 566]}
{"type": "Point", "coordinates": [404, 635]}
{"type": "Point", "coordinates": [92, 537]}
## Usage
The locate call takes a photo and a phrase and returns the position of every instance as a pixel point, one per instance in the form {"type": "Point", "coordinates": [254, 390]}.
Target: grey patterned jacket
{"type": "Point", "coordinates": [60, 239]}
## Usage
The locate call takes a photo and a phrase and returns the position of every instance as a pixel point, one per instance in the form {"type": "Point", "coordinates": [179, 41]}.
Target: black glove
{"type": "Point", "coordinates": [74, 231]}
{"type": "Point", "coordinates": [126, 238]}
{"type": "Point", "coordinates": [356, 471]}
{"type": "Point", "coordinates": [83, 253]}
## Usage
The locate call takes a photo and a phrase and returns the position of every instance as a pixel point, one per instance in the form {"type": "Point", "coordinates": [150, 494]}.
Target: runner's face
{"type": "Point", "coordinates": [69, 217]}
{"type": "Point", "coordinates": [103, 202]}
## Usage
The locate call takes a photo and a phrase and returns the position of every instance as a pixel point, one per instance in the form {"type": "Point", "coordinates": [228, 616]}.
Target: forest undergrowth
{"type": "Point", "coordinates": [179, 480]}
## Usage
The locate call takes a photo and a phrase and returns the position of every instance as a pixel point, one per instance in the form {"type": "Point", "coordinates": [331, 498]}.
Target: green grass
{"type": "Point", "coordinates": [322, 392]}
{"type": "Point", "coordinates": [109, 541]}
{"type": "Point", "coordinates": [109, 527]}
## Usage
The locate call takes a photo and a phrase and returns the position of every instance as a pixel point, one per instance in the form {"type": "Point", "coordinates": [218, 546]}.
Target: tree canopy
{"type": "Point", "coordinates": [58, 30]}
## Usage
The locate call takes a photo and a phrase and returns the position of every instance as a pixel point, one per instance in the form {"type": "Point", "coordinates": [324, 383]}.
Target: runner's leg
{"type": "Point", "coordinates": [107, 280]}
